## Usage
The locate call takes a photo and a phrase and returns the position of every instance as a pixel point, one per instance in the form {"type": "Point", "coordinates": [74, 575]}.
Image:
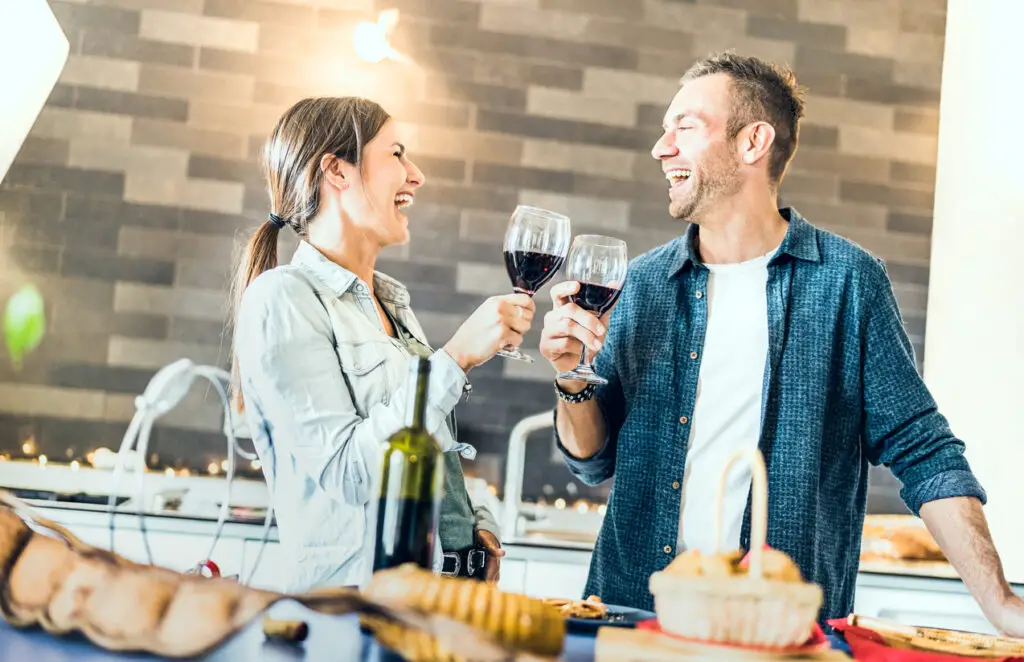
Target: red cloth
{"type": "Point", "coordinates": [816, 642]}
{"type": "Point", "coordinates": [867, 646]}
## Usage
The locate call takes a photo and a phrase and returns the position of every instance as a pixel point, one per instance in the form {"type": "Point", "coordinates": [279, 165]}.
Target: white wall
{"type": "Point", "coordinates": [974, 352]}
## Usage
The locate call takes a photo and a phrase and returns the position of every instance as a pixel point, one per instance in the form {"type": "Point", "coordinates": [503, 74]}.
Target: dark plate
{"type": "Point", "coordinates": [620, 617]}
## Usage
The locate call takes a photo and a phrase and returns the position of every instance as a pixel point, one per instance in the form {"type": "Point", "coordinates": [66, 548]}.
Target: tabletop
{"type": "Point", "coordinates": [330, 638]}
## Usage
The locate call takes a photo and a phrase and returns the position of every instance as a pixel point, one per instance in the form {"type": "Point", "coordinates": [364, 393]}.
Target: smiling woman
{"type": "Point", "coordinates": [323, 344]}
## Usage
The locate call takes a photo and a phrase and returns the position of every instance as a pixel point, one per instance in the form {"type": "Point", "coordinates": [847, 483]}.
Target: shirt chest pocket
{"type": "Point", "coordinates": [364, 368]}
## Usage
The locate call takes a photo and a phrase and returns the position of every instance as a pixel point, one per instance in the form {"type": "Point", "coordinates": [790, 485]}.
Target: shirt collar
{"type": "Point", "coordinates": [340, 280]}
{"type": "Point", "coordinates": [800, 242]}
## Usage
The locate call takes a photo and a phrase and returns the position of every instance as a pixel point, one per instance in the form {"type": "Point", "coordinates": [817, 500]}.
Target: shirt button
{"type": "Point", "coordinates": [693, 355]}
{"type": "Point", "coordinates": [668, 549]}
{"type": "Point", "coordinates": [684, 420]}
{"type": "Point", "coordinates": [675, 485]}
{"type": "Point", "coordinates": [699, 294]}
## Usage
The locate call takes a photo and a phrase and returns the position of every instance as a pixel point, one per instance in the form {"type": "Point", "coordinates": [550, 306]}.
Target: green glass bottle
{"type": "Point", "coordinates": [412, 480]}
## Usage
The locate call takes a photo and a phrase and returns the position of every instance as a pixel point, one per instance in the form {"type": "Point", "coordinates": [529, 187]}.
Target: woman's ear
{"type": "Point", "coordinates": [334, 171]}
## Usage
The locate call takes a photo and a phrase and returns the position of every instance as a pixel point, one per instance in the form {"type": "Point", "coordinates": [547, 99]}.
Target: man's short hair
{"type": "Point", "coordinates": [761, 92]}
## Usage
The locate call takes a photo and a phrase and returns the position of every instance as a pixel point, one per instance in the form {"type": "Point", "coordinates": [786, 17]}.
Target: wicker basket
{"type": "Point", "coordinates": [743, 609]}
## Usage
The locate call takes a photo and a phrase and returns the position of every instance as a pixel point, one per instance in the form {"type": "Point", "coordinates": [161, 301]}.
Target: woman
{"type": "Point", "coordinates": [323, 345]}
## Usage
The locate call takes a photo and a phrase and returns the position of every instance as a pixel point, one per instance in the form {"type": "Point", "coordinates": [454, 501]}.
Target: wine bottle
{"type": "Point", "coordinates": [412, 479]}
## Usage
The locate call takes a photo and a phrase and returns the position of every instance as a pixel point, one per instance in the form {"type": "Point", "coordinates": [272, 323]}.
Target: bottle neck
{"type": "Point", "coordinates": [419, 380]}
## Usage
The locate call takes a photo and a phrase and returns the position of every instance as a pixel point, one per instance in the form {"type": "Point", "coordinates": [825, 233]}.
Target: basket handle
{"type": "Point", "coordinates": [758, 508]}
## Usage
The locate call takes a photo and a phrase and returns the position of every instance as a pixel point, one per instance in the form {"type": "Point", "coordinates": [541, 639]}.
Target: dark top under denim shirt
{"type": "Point", "coordinates": [841, 391]}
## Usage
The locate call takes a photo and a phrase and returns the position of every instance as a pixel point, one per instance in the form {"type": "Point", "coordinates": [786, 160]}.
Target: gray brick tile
{"type": "Point", "coordinates": [886, 195]}
{"type": "Point", "coordinates": [666, 41]}
{"type": "Point", "coordinates": [107, 42]}
{"type": "Point", "coordinates": [830, 84]}
{"type": "Point", "coordinates": [129, 103]}
{"type": "Point", "coordinates": [925, 22]}
{"type": "Point", "coordinates": [262, 12]}
{"type": "Point", "coordinates": [164, 133]}
{"type": "Point", "coordinates": [857, 168]}
{"type": "Point", "coordinates": [448, 11]}
{"type": "Point", "coordinates": [438, 275]}
{"type": "Point", "coordinates": [917, 121]}
{"type": "Point", "coordinates": [204, 274]}
{"type": "Point", "coordinates": [819, 136]}
{"type": "Point", "coordinates": [481, 94]}
{"type": "Point", "coordinates": [786, 9]}
{"type": "Point", "coordinates": [48, 177]}
{"type": "Point", "coordinates": [913, 172]}
{"type": "Point", "coordinates": [203, 332]}
{"type": "Point", "coordinates": [116, 212]}
{"type": "Point", "coordinates": [61, 96]}
{"type": "Point", "coordinates": [816, 186]}
{"type": "Point", "coordinates": [903, 273]}
{"type": "Point", "coordinates": [513, 71]}
{"type": "Point", "coordinates": [75, 16]}
{"type": "Point", "coordinates": [913, 223]}
{"type": "Point", "coordinates": [43, 151]}
{"type": "Point", "coordinates": [814, 60]}
{"type": "Point", "coordinates": [111, 267]}
{"type": "Point", "coordinates": [36, 259]}
{"type": "Point", "coordinates": [470, 198]}
{"type": "Point", "coordinates": [215, 223]}
{"type": "Point", "coordinates": [566, 130]}
{"type": "Point", "coordinates": [866, 89]}
{"type": "Point", "coordinates": [99, 377]}
{"type": "Point", "coordinates": [519, 177]}
{"type": "Point", "coordinates": [814, 35]}
{"type": "Point", "coordinates": [609, 8]}
{"type": "Point", "coordinates": [435, 167]}
{"type": "Point", "coordinates": [534, 47]}
{"type": "Point", "coordinates": [840, 214]}
{"type": "Point", "coordinates": [228, 170]}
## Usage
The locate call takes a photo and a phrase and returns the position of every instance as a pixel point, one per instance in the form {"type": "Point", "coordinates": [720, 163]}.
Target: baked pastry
{"type": "Point", "coordinates": [726, 597]}
{"type": "Point", "coordinates": [591, 608]}
{"type": "Point", "coordinates": [524, 623]}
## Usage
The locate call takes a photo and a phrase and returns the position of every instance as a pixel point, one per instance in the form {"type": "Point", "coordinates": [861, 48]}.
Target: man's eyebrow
{"type": "Point", "coordinates": [679, 117]}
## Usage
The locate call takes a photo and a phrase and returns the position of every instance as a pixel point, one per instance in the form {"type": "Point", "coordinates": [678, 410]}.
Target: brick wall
{"type": "Point", "coordinates": [140, 177]}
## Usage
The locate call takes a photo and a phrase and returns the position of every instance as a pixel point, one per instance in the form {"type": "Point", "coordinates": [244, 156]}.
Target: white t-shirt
{"type": "Point", "coordinates": [727, 412]}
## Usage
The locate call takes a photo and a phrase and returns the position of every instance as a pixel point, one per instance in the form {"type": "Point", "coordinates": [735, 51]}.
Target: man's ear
{"type": "Point", "coordinates": [755, 142]}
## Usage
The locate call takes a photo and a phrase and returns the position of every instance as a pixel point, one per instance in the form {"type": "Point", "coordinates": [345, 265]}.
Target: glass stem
{"type": "Point", "coordinates": [583, 358]}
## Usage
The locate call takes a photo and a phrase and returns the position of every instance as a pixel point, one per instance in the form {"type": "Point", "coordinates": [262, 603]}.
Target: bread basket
{"type": "Point", "coordinates": [745, 609]}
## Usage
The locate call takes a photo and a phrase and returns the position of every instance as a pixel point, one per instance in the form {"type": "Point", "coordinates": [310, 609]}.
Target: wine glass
{"type": "Point", "coordinates": [536, 243]}
{"type": "Point", "coordinates": [599, 265]}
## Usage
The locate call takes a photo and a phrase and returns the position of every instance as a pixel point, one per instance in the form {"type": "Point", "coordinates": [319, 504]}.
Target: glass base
{"type": "Point", "coordinates": [584, 373]}
{"type": "Point", "coordinates": [514, 353]}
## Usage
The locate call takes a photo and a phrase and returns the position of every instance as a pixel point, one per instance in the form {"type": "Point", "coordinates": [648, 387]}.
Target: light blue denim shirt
{"type": "Point", "coordinates": [324, 386]}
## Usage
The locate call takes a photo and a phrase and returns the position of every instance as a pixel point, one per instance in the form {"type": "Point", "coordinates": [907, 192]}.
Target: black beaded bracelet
{"type": "Point", "coordinates": [575, 398]}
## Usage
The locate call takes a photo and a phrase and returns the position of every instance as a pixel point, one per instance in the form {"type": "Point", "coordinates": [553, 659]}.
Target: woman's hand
{"type": "Point", "coordinates": [487, 540]}
{"type": "Point", "coordinates": [498, 322]}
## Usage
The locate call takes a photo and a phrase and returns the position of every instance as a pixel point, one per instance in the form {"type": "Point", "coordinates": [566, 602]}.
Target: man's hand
{"type": "Point", "coordinates": [1008, 617]}
{"type": "Point", "coordinates": [960, 528]}
{"type": "Point", "coordinates": [487, 540]}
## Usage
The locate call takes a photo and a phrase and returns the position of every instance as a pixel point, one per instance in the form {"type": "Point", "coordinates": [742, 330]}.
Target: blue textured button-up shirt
{"type": "Point", "coordinates": [841, 390]}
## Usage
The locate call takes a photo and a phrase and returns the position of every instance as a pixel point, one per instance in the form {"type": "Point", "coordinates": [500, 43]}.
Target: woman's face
{"type": "Point", "coordinates": [379, 192]}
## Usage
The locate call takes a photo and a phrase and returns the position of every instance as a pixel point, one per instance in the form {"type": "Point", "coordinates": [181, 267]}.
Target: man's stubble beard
{"type": "Point", "coordinates": [718, 181]}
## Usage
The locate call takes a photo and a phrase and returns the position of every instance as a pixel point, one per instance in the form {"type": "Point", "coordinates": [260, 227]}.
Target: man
{"type": "Point", "coordinates": [755, 329]}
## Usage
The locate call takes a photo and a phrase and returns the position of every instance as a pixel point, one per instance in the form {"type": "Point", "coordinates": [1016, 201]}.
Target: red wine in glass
{"type": "Point", "coordinates": [597, 299]}
{"type": "Point", "coordinates": [536, 244]}
{"type": "Point", "coordinates": [599, 265]}
{"type": "Point", "coordinates": [530, 270]}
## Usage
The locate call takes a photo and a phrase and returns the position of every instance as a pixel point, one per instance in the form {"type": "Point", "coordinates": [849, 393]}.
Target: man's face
{"type": "Point", "coordinates": [699, 160]}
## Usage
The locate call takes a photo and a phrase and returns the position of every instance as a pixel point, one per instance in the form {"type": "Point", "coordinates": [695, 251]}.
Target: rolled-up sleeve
{"type": "Point", "coordinates": [600, 467]}
{"type": "Point", "coordinates": [903, 428]}
{"type": "Point", "coordinates": [287, 361]}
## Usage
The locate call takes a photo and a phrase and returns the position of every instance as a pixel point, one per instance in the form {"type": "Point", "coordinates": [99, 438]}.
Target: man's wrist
{"type": "Point", "coordinates": [571, 386]}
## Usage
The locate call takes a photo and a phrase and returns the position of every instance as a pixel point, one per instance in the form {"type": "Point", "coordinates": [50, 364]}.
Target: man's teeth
{"type": "Point", "coordinates": [678, 174]}
{"type": "Point", "coordinates": [403, 200]}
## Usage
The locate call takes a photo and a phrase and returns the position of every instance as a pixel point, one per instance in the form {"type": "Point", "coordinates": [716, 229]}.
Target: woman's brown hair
{"type": "Point", "coordinates": [291, 165]}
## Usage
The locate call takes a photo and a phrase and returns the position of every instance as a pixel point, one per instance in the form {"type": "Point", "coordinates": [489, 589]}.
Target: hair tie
{"type": "Point", "coordinates": [276, 220]}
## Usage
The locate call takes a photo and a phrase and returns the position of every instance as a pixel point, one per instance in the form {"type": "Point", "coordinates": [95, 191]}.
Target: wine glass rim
{"type": "Point", "coordinates": [600, 240]}
{"type": "Point", "coordinates": [540, 211]}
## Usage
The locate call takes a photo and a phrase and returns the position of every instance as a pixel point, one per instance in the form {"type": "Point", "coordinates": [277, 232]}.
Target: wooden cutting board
{"type": "Point", "coordinates": [627, 645]}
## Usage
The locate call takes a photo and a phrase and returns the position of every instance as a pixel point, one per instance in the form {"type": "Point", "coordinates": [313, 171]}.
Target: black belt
{"type": "Point", "coordinates": [470, 562]}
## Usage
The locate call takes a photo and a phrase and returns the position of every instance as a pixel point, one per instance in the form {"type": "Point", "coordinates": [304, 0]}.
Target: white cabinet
{"type": "Point", "coordinates": [269, 565]}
